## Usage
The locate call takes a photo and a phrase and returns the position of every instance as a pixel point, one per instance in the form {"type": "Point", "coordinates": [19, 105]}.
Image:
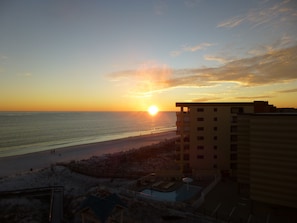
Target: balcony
{"type": "Point", "coordinates": [184, 117]}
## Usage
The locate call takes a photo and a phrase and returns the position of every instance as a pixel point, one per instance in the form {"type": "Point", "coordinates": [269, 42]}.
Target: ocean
{"type": "Point", "coordinates": [27, 132]}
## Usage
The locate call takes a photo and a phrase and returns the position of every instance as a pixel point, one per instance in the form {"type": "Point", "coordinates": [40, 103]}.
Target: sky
{"type": "Point", "coordinates": [77, 55]}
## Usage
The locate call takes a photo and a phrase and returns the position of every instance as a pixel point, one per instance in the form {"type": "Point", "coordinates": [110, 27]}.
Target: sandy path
{"type": "Point", "coordinates": [23, 163]}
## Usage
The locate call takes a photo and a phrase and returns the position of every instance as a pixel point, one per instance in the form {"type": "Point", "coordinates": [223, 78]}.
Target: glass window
{"type": "Point", "coordinates": [200, 119]}
{"type": "Point", "coordinates": [233, 157]}
{"type": "Point", "coordinates": [200, 128]}
{"type": "Point", "coordinates": [233, 147]}
{"type": "Point", "coordinates": [234, 119]}
{"type": "Point", "coordinates": [200, 147]}
{"type": "Point", "coordinates": [236, 110]}
{"type": "Point", "coordinates": [233, 138]}
{"type": "Point", "coordinates": [200, 109]}
{"type": "Point", "coordinates": [233, 128]}
{"type": "Point", "coordinates": [186, 157]}
{"type": "Point", "coordinates": [200, 137]}
{"type": "Point", "coordinates": [200, 157]}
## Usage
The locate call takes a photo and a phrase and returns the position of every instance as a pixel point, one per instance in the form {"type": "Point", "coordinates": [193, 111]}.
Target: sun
{"type": "Point", "coordinates": [153, 110]}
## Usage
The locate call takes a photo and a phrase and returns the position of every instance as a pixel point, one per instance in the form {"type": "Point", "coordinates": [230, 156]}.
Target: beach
{"type": "Point", "coordinates": [34, 161]}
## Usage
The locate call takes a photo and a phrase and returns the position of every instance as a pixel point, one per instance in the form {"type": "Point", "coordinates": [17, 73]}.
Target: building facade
{"type": "Point", "coordinates": [208, 135]}
{"type": "Point", "coordinates": [267, 157]}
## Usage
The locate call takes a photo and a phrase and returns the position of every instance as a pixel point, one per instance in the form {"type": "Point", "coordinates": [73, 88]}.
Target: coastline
{"type": "Point", "coordinates": [33, 161]}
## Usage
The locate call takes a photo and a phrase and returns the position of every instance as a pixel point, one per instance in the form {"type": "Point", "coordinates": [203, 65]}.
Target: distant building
{"type": "Point", "coordinates": [267, 157]}
{"type": "Point", "coordinates": [208, 135]}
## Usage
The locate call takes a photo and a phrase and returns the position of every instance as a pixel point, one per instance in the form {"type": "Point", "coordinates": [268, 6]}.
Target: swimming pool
{"type": "Point", "coordinates": [183, 193]}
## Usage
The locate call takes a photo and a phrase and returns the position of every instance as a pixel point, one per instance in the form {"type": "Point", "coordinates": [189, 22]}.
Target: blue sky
{"type": "Point", "coordinates": [127, 55]}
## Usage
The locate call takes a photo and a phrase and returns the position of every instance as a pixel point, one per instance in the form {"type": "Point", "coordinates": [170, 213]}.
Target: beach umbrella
{"type": "Point", "coordinates": [187, 180]}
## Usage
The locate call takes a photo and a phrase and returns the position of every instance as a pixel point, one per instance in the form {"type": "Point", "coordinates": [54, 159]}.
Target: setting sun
{"type": "Point", "coordinates": [153, 110]}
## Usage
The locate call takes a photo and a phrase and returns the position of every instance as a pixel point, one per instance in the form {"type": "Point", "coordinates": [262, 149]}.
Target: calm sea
{"type": "Point", "coordinates": [26, 132]}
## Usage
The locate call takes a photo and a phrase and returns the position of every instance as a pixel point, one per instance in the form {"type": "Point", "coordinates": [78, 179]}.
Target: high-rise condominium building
{"type": "Point", "coordinates": [208, 134]}
{"type": "Point", "coordinates": [267, 157]}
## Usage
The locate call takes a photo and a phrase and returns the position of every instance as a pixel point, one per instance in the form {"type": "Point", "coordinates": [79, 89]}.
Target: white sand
{"type": "Point", "coordinates": [23, 163]}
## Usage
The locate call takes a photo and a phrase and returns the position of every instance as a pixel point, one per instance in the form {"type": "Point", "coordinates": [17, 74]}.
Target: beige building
{"type": "Point", "coordinates": [208, 135]}
{"type": "Point", "coordinates": [267, 157]}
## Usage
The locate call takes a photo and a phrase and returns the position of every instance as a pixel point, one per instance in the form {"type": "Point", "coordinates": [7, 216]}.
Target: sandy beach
{"type": "Point", "coordinates": [34, 161]}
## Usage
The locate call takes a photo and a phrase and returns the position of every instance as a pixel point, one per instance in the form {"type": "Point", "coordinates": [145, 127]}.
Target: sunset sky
{"type": "Point", "coordinates": [77, 55]}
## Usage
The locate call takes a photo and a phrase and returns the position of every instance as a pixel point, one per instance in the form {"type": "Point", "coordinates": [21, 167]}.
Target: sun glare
{"type": "Point", "coordinates": [153, 110]}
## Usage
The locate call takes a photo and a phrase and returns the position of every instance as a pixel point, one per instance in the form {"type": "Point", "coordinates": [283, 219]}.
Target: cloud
{"type": "Point", "coordinates": [288, 91]}
{"type": "Point", "coordinates": [254, 97]}
{"type": "Point", "coordinates": [27, 74]}
{"type": "Point", "coordinates": [233, 22]}
{"type": "Point", "coordinates": [216, 58]}
{"type": "Point", "coordinates": [195, 48]}
{"type": "Point", "coordinates": [279, 12]}
{"type": "Point", "coordinates": [3, 57]}
{"type": "Point", "coordinates": [160, 7]}
{"type": "Point", "coordinates": [278, 66]}
{"type": "Point", "coordinates": [206, 99]}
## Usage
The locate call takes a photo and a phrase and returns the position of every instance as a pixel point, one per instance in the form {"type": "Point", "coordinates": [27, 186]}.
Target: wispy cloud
{"type": "Point", "coordinates": [254, 97]}
{"type": "Point", "coordinates": [160, 7]}
{"type": "Point", "coordinates": [279, 12]}
{"type": "Point", "coordinates": [26, 74]}
{"type": "Point", "coordinates": [216, 58]}
{"type": "Point", "coordinates": [3, 57]}
{"type": "Point", "coordinates": [194, 48]}
{"type": "Point", "coordinates": [288, 90]}
{"type": "Point", "coordinates": [286, 41]}
{"type": "Point", "coordinates": [206, 99]}
{"type": "Point", "coordinates": [274, 67]}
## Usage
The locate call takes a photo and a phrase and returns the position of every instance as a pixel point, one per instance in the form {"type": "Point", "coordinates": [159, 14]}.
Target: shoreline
{"type": "Point", "coordinates": [17, 164]}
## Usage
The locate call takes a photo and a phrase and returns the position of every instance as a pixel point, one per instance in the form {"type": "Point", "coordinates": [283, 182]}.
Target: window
{"type": "Point", "coordinates": [233, 166]}
{"type": "Point", "coordinates": [233, 156]}
{"type": "Point", "coordinates": [236, 110]}
{"type": "Point", "coordinates": [215, 138]}
{"type": "Point", "coordinates": [215, 156]}
{"type": "Point", "coordinates": [233, 128]}
{"type": "Point", "coordinates": [186, 147]}
{"type": "Point", "coordinates": [233, 138]}
{"type": "Point", "coordinates": [234, 119]}
{"type": "Point", "coordinates": [200, 137]}
{"type": "Point", "coordinates": [200, 147]}
{"type": "Point", "coordinates": [200, 109]}
{"type": "Point", "coordinates": [200, 157]}
{"type": "Point", "coordinates": [233, 147]}
{"type": "Point", "coordinates": [200, 119]}
{"type": "Point", "coordinates": [215, 147]}
{"type": "Point", "coordinates": [215, 119]}
{"type": "Point", "coordinates": [186, 157]}
{"type": "Point", "coordinates": [215, 166]}
{"type": "Point", "coordinates": [215, 128]}
{"type": "Point", "coordinates": [187, 139]}
{"type": "Point", "coordinates": [215, 109]}
{"type": "Point", "coordinates": [200, 128]}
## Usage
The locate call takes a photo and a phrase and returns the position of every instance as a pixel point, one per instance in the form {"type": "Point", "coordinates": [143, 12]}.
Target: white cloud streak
{"type": "Point", "coordinates": [279, 12]}
{"type": "Point", "coordinates": [195, 48]}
